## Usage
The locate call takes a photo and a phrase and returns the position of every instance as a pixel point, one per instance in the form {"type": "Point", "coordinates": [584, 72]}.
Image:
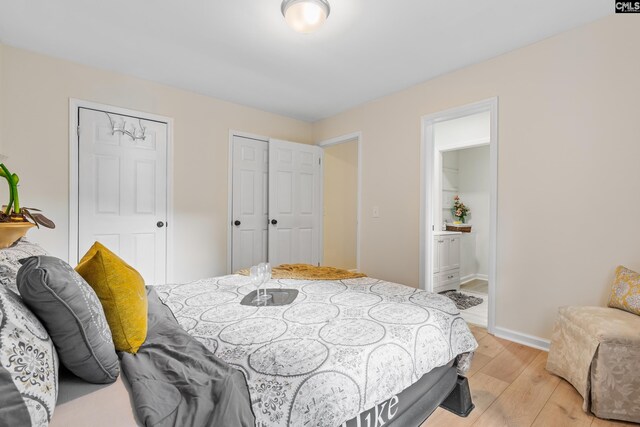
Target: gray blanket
{"type": "Point", "coordinates": [176, 381]}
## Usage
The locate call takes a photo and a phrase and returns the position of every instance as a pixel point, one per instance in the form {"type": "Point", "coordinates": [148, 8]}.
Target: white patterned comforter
{"type": "Point", "coordinates": [340, 348]}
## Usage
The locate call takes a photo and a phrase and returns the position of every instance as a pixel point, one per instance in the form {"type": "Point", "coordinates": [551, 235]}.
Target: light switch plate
{"type": "Point", "coordinates": [376, 212]}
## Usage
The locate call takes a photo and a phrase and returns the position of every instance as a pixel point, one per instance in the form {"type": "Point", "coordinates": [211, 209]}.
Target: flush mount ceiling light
{"type": "Point", "coordinates": [305, 16]}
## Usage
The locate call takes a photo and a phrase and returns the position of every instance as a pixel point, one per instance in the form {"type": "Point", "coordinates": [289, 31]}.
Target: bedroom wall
{"type": "Point", "coordinates": [568, 169]}
{"type": "Point", "coordinates": [35, 113]}
{"type": "Point", "coordinates": [340, 205]}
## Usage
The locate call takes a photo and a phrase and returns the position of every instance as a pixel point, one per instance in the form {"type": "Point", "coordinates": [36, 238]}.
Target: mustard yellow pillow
{"type": "Point", "coordinates": [121, 291]}
{"type": "Point", "coordinates": [625, 292]}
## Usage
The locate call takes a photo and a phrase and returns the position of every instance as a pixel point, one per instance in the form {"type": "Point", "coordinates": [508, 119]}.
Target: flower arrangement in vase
{"type": "Point", "coordinates": [460, 210]}
{"type": "Point", "coordinates": [15, 220]}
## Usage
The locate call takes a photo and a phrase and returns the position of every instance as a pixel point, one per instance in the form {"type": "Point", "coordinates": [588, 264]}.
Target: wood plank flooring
{"type": "Point", "coordinates": [476, 285]}
{"type": "Point", "coordinates": [511, 387]}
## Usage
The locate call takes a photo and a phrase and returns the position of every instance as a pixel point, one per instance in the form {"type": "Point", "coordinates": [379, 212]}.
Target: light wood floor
{"type": "Point", "coordinates": [511, 387]}
{"type": "Point", "coordinates": [476, 285]}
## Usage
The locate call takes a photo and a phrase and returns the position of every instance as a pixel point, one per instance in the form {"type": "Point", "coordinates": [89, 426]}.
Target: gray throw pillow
{"type": "Point", "coordinates": [28, 366]}
{"type": "Point", "coordinates": [10, 260]}
{"type": "Point", "coordinates": [71, 311]}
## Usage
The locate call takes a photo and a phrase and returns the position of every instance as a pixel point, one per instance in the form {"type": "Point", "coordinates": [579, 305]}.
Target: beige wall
{"type": "Point", "coordinates": [569, 179]}
{"type": "Point", "coordinates": [34, 106]}
{"type": "Point", "coordinates": [341, 205]}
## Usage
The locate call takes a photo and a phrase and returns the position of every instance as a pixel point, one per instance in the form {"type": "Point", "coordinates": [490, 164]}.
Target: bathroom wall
{"type": "Point", "coordinates": [450, 136]}
{"type": "Point", "coordinates": [473, 178]}
{"type": "Point", "coordinates": [341, 205]}
{"type": "Point", "coordinates": [465, 173]}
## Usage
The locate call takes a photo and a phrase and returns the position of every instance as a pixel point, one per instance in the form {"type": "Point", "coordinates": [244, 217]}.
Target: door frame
{"type": "Point", "coordinates": [353, 136]}
{"type": "Point", "coordinates": [233, 133]}
{"type": "Point", "coordinates": [427, 174]}
{"type": "Point", "coordinates": [74, 106]}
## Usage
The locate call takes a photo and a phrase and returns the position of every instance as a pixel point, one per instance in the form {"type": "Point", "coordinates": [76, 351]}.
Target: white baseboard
{"type": "Point", "coordinates": [470, 277]}
{"type": "Point", "coordinates": [522, 338]}
{"type": "Point", "coordinates": [467, 278]}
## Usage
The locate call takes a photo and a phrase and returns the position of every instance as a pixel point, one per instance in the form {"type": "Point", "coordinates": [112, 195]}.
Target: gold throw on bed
{"type": "Point", "coordinates": [308, 272]}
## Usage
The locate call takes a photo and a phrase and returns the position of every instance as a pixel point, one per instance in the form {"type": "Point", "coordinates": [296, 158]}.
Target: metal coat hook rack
{"type": "Point", "coordinates": [134, 133]}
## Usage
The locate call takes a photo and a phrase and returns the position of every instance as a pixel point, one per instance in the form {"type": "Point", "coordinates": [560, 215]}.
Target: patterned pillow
{"type": "Point", "coordinates": [73, 315]}
{"type": "Point", "coordinates": [625, 292]}
{"type": "Point", "coordinates": [9, 261]}
{"type": "Point", "coordinates": [28, 365]}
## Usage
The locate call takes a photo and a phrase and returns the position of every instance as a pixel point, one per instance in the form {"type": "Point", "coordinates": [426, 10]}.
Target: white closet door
{"type": "Point", "coordinates": [295, 210]}
{"type": "Point", "coordinates": [122, 191]}
{"type": "Point", "coordinates": [250, 180]}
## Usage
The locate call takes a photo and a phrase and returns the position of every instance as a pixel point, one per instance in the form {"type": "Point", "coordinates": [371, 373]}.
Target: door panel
{"type": "Point", "coordinates": [443, 254]}
{"type": "Point", "coordinates": [249, 202]}
{"type": "Point", "coordinates": [108, 184]}
{"type": "Point", "coordinates": [284, 184]}
{"type": "Point", "coordinates": [122, 190]}
{"type": "Point", "coordinates": [145, 179]}
{"type": "Point", "coordinates": [454, 252]}
{"type": "Point", "coordinates": [294, 202]}
{"type": "Point", "coordinates": [284, 245]}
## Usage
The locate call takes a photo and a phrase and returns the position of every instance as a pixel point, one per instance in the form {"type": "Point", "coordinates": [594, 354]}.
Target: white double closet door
{"type": "Point", "coordinates": [276, 202]}
{"type": "Point", "coordinates": [122, 190]}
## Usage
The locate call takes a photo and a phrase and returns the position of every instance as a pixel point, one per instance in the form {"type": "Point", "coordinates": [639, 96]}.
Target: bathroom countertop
{"type": "Point", "coordinates": [446, 233]}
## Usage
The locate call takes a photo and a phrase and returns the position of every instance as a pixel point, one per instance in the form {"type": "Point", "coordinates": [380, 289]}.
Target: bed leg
{"type": "Point", "coordinates": [459, 400]}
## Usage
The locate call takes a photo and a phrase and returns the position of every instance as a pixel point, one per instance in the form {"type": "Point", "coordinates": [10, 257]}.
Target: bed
{"type": "Point", "coordinates": [345, 353]}
{"type": "Point", "coordinates": [343, 350]}
{"type": "Point", "coordinates": [351, 352]}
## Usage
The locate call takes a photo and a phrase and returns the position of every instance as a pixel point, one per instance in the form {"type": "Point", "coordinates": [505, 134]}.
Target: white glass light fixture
{"type": "Point", "coordinates": [305, 16]}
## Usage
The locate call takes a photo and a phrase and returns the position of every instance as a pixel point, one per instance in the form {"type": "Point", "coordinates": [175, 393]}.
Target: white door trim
{"type": "Point", "coordinates": [233, 133]}
{"type": "Point", "coordinates": [426, 195]}
{"type": "Point", "coordinates": [74, 106]}
{"type": "Point", "coordinates": [357, 136]}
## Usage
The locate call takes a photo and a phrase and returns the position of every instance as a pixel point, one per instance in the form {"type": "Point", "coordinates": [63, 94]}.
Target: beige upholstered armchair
{"type": "Point", "coordinates": [597, 349]}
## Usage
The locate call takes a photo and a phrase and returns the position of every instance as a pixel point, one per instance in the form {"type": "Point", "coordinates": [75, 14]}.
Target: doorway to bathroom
{"type": "Point", "coordinates": [459, 208]}
{"type": "Point", "coordinates": [464, 200]}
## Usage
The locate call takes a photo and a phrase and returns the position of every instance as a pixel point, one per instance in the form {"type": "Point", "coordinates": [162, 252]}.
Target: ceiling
{"type": "Point", "coordinates": [242, 50]}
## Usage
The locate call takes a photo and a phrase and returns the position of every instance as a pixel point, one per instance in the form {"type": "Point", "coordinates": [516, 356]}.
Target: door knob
{"type": "Point", "coordinates": [236, 223]}
{"type": "Point", "coordinates": [274, 221]}
{"type": "Point", "coordinates": [160, 224]}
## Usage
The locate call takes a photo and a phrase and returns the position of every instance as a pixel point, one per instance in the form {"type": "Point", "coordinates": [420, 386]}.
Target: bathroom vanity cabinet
{"type": "Point", "coordinates": [446, 261]}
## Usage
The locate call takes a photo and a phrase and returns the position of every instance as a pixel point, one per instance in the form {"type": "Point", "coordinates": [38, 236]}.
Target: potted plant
{"type": "Point", "coordinates": [459, 210]}
{"type": "Point", "coordinates": [15, 220]}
